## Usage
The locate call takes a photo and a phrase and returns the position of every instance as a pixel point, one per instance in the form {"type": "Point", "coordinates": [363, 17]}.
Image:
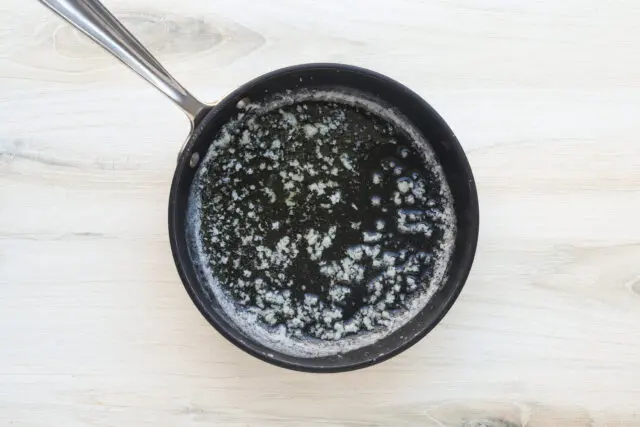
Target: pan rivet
{"type": "Point", "coordinates": [195, 158]}
{"type": "Point", "coordinates": [242, 104]}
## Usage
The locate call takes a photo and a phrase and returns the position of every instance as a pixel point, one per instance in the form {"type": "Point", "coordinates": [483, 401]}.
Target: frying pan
{"type": "Point", "coordinates": [95, 21]}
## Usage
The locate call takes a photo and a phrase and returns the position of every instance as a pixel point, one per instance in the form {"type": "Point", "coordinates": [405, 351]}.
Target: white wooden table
{"type": "Point", "coordinates": [97, 330]}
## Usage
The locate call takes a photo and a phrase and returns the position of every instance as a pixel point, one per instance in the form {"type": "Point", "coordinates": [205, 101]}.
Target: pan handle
{"type": "Point", "coordinates": [93, 19]}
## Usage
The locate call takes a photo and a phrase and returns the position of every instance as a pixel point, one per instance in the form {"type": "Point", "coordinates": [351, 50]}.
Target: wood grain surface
{"type": "Point", "coordinates": [97, 330]}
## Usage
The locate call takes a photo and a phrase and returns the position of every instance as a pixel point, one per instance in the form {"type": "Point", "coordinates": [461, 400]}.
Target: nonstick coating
{"type": "Point", "coordinates": [423, 117]}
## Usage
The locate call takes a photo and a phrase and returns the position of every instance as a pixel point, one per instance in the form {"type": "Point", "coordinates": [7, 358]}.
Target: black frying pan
{"type": "Point", "coordinates": [91, 17]}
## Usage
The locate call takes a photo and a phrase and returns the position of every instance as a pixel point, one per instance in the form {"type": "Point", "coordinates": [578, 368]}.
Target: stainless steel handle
{"type": "Point", "coordinates": [95, 21]}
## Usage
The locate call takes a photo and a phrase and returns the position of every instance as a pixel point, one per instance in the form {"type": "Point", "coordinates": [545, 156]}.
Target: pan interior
{"type": "Point", "coordinates": [320, 221]}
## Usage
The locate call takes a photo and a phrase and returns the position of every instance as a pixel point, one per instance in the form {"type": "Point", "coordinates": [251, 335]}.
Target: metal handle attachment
{"type": "Point", "coordinates": [93, 19]}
